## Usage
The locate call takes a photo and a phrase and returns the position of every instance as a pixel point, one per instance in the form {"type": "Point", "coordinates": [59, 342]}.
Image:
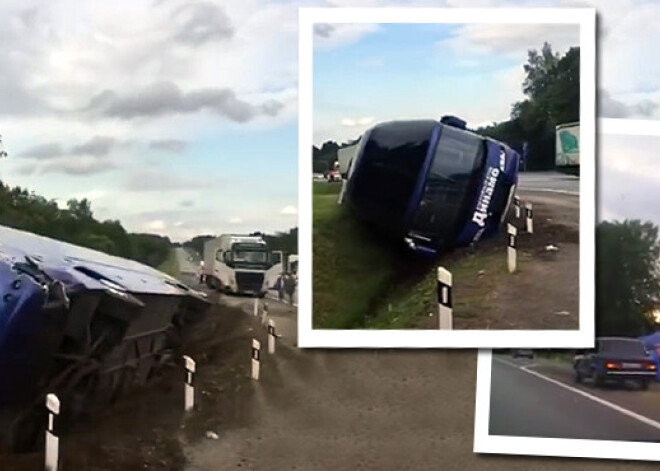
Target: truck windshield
{"type": "Point", "coordinates": [389, 167]}
{"type": "Point", "coordinates": [250, 255]}
{"type": "Point", "coordinates": [450, 185]}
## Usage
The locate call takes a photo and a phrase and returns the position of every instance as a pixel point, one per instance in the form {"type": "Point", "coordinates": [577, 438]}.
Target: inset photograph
{"type": "Point", "coordinates": [446, 186]}
{"type": "Point", "coordinates": [600, 402]}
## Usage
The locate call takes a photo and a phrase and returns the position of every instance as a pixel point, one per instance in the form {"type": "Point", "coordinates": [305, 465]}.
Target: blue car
{"type": "Point", "coordinates": [615, 359]}
{"type": "Point", "coordinates": [652, 345]}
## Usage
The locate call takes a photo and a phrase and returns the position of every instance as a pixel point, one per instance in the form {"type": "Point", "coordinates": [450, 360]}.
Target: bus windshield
{"type": "Point", "coordinates": [390, 163]}
{"type": "Point", "coordinates": [450, 185]}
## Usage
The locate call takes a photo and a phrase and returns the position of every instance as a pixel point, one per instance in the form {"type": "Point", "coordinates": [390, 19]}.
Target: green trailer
{"type": "Point", "coordinates": [567, 145]}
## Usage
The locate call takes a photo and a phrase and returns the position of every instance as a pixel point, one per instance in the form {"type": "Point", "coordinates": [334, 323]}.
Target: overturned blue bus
{"type": "Point", "coordinates": [81, 324]}
{"type": "Point", "coordinates": [432, 184]}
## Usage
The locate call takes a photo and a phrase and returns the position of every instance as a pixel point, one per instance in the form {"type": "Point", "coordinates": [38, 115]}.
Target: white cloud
{"type": "Point", "coordinates": [514, 40]}
{"type": "Point", "coordinates": [235, 220]}
{"type": "Point", "coordinates": [330, 36]}
{"type": "Point", "coordinates": [350, 122]}
{"type": "Point", "coordinates": [289, 211]}
{"type": "Point", "coordinates": [155, 226]}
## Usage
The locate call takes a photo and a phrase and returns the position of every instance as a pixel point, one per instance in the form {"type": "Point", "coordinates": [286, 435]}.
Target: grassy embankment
{"type": "Point", "coordinates": [361, 281]}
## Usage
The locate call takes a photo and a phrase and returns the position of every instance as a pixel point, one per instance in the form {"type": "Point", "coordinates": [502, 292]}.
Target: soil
{"type": "Point", "coordinates": [145, 429]}
{"type": "Point", "coordinates": [543, 293]}
{"type": "Point", "coordinates": [310, 410]}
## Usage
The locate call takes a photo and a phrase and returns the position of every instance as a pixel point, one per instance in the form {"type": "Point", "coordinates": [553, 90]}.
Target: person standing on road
{"type": "Point", "coordinates": [289, 286]}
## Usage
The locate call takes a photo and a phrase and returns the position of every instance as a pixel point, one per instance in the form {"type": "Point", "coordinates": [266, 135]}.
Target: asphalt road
{"type": "Point", "coordinates": [187, 259]}
{"type": "Point", "coordinates": [537, 399]}
{"type": "Point", "coordinates": [548, 181]}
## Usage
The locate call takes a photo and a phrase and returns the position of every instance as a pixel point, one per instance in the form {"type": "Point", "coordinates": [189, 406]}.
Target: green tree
{"type": "Point", "coordinates": [627, 277]}
{"type": "Point", "coordinates": [552, 90]}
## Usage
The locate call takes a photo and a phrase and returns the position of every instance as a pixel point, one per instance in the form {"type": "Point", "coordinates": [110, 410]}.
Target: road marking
{"type": "Point", "coordinates": [549, 190]}
{"type": "Point", "coordinates": [603, 402]}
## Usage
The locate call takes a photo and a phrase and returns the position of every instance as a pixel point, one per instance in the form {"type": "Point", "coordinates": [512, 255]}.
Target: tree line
{"type": "Point", "coordinates": [552, 90]}
{"type": "Point", "coordinates": [25, 210]}
{"type": "Point", "coordinates": [28, 211]}
{"type": "Point", "coordinates": [627, 278]}
{"type": "Point", "coordinates": [285, 241]}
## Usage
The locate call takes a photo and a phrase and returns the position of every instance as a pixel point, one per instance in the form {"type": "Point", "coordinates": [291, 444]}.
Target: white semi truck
{"type": "Point", "coordinates": [237, 264]}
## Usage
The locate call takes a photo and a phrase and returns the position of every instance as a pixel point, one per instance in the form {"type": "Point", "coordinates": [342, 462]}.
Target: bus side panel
{"type": "Point", "coordinates": [499, 179]}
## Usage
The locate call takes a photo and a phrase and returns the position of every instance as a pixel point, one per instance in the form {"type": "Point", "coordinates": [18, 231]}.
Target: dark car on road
{"type": "Point", "coordinates": [615, 359]}
{"type": "Point", "coordinates": [523, 353]}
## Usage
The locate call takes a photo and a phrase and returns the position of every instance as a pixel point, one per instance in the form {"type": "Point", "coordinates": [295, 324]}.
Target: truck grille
{"type": "Point", "coordinates": [249, 281]}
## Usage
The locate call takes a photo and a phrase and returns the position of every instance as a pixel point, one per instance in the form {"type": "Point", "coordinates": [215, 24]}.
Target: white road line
{"type": "Point", "coordinates": [549, 190]}
{"type": "Point", "coordinates": [602, 402]}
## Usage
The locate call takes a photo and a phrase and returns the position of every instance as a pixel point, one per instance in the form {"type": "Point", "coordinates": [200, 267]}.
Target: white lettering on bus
{"type": "Point", "coordinates": [481, 211]}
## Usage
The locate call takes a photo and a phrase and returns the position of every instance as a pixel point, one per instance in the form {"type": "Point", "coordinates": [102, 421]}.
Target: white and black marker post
{"type": "Point", "coordinates": [271, 336]}
{"type": "Point", "coordinates": [52, 440]}
{"type": "Point", "coordinates": [255, 309]}
{"type": "Point", "coordinates": [529, 224]}
{"type": "Point", "coordinates": [445, 310]}
{"type": "Point", "coordinates": [264, 314]}
{"type": "Point", "coordinates": [189, 388]}
{"type": "Point", "coordinates": [511, 249]}
{"type": "Point", "coordinates": [256, 353]}
{"type": "Point", "coordinates": [516, 205]}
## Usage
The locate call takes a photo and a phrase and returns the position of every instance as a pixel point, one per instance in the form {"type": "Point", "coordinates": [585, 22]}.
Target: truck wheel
{"type": "Point", "coordinates": [599, 380]}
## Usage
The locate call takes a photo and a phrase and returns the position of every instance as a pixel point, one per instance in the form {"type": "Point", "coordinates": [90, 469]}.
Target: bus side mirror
{"type": "Point", "coordinates": [228, 257]}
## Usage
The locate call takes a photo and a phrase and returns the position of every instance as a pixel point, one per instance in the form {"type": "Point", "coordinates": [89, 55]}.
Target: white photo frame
{"type": "Point", "coordinates": [484, 442]}
{"type": "Point", "coordinates": [363, 338]}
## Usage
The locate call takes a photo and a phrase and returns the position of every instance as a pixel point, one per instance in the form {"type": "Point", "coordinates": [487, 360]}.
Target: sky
{"type": "Point", "coordinates": [399, 71]}
{"type": "Point", "coordinates": [180, 118]}
{"type": "Point", "coordinates": [628, 178]}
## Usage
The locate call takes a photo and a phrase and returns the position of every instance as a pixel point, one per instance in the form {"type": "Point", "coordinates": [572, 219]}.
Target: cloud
{"type": "Point", "coordinates": [235, 220]}
{"type": "Point", "coordinates": [350, 122]}
{"type": "Point", "coordinates": [170, 145]}
{"type": "Point", "coordinates": [166, 97]}
{"type": "Point", "coordinates": [158, 180]}
{"type": "Point", "coordinates": [289, 211]}
{"type": "Point", "coordinates": [612, 108]}
{"type": "Point", "coordinates": [478, 38]}
{"type": "Point", "coordinates": [156, 225]}
{"type": "Point", "coordinates": [201, 22]}
{"type": "Point", "coordinates": [187, 203]}
{"type": "Point", "coordinates": [83, 165]}
{"type": "Point", "coordinates": [28, 169]}
{"type": "Point", "coordinates": [98, 146]}
{"type": "Point", "coordinates": [329, 36]}
{"type": "Point", "coordinates": [45, 151]}
{"type": "Point", "coordinates": [323, 30]}
{"type": "Point", "coordinates": [87, 158]}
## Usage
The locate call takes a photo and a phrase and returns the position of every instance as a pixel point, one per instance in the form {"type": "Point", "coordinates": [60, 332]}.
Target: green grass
{"type": "Point", "coordinates": [410, 304]}
{"type": "Point", "coordinates": [170, 265]}
{"type": "Point", "coordinates": [360, 281]}
{"type": "Point", "coordinates": [349, 270]}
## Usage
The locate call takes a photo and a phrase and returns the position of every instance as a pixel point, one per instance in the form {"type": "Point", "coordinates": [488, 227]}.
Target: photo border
{"type": "Point", "coordinates": [308, 337]}
{"type": "Point", "coordinates": [564, 447]}
{"type": "Point", "coordinates": [538, 446]}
